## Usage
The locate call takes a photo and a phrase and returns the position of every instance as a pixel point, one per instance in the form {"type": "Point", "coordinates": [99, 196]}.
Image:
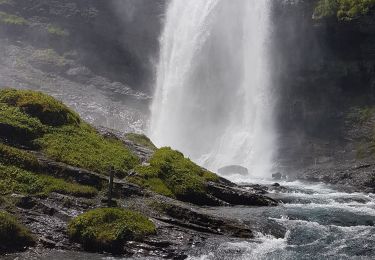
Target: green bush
{"type": "Point", "coordinates": [106, 229]}
{"type": "Point", "coordinates": [13, 235]}
{"type": "Point", "coordinates": [41, 106]}
{"type": "Point", "coordinates": [141, 140]}
{"type": "Point", "coordinates": [180, 176]}
{"type": "Point", "coordinates": [343, 9]}
{"type": "Point", "coordinates": [10, 19]}
{"type": "Point", "coordinates": [85, 148]}
{"type": "Point", "coordinates": [16, 180]}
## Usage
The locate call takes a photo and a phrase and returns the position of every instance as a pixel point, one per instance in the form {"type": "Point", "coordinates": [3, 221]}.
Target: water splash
{"type": "Point", "coordinates": [213, 99]}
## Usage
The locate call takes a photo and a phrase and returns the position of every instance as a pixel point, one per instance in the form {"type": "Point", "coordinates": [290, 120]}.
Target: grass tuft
{"type": "Point", "coordinates": [83, 147]}
{"type": "Point", "coordinates": [106, 229]}
{"type": "Point", "coordinates": [13, 235]}
{"type": "Point", "coordinates": [16, 180]}
{"type": "Point", "coordinates": [170, 172]}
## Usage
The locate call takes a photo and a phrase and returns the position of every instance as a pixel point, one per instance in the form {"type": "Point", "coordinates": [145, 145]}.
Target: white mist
{"type": "Point", "coordinates": [213, 98]}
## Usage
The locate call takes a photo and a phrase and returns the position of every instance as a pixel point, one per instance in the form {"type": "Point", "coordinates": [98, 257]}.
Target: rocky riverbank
{"type": "Point", "coordinates": [54, 167]}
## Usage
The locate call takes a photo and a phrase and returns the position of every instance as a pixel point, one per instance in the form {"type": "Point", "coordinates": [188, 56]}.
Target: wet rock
{"type": "Point", "coordinates": [25, 202]}
{"type": "Point", "coordinates": [239, 196]}
{"type": "Point", "coordinates": [47, 242]}
{"type": "Point", "coordinates": [277, 176]}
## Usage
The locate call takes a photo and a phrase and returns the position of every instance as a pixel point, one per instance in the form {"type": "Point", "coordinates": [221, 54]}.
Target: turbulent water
{"type": "Point", "coordinates": [315, 222]}
{"type": "Point", "coordinates": [213, 99]}
{"type": "Point", "coordinates": [318, 223]}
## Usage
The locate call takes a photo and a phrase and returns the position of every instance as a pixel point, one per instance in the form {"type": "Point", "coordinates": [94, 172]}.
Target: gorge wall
{"type": "Point", "coordinates": [325, 76]}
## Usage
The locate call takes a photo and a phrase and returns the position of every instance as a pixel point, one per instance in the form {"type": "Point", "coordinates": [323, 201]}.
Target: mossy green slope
{"type": "Point", "coordinates": [13, 235]}
{"type": "Point", "coordinates": [171, 174]}
{"type": "Point", "coordinates": [17, 180]}
{"type": "Point", "coordinates": [29, 116]}
{"type": "Point", "coordinates": [106, 229]}
{"type": "Point", "coordinates": [41, 106]}
{"type": "Point", "coordinates": [343, 9]}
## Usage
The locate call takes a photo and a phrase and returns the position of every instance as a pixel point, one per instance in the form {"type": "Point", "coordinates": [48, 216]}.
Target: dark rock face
{"type": "Point", "coordinates": [101, 33]}
{"type": "Point", "coordinates": [323, 68]}
{"type": "Point", "coordinates": [238, 196]}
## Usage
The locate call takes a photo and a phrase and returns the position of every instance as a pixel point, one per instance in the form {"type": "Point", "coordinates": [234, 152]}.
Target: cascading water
{"type": "Point", "coordinates": [213, 99]}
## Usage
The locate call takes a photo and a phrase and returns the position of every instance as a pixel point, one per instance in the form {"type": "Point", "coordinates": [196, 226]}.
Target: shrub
{"type": "Point", "coordinates": [343, 9]}
{"type": "Point", "coordinates": [14, 179]}
{"type": "Point", "coordinates": [10, 19]}
{"type": "Point", "coordinates": [41, 106]}
{"type": "Point", "coordinates": [141, 140]}
{"type": "Point", "coordinates": [85, 148]}
{"type": "Point", "coordinates": [180, 176]}
{"type": "Point", "coordinates": [106, 229]}
{"type": "Point", "coordinates": [13, 235]}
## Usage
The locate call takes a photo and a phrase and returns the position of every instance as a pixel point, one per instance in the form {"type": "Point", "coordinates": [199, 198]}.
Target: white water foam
{"type": "Point", "coordinates": [213, 99]}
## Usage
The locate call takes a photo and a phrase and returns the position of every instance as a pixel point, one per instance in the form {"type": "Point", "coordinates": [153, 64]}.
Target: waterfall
{"type": "Point", "coordinates": [213, 97]}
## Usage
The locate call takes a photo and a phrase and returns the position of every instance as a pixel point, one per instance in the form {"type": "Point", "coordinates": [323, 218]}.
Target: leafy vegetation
{"type": "Point", "coordinates": [16, 180]}
{"type": "Point", "coordinates": [141, 140]}
{"type": "Point", "coordinates": [85, 148]}
{"type": "Point", "coordinates": [10, 19]}
{"type": "Point", "coordinates": [343, 9]}
{"type": "Point", "coordinates": [106, 229]}
{"type": "Point", "coordinates": [171, 174]}
{"type": "Point", "coordinates": [57, 30]}
{"type": "Point", "coordinates": [13, 235]}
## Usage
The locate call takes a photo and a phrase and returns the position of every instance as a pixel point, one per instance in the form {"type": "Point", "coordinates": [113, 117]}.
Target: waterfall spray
{"type": "Point", "coordinates": [213, 98]}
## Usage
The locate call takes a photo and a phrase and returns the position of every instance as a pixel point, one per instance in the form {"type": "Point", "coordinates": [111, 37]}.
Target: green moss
{"type": "Point", "coordinates": [106, 229]}
{"type": "Point", "coordinates": [41, 106]}
{"type": "Point", "coordinates": [85, 148]}
{"type": "Point", "coordinates": [183, 178]}
{"type": "Point", "coordinates": [16, 180]}
{"type": "Point", "coordinates": [10, 19]}
{"type": "Point", "coordinates": [59, 133]}
{"type": "Point", "coordinates": [57, 30]}
{"type": "Point", "coordinates": [155, 184]}
{"type": "Point", "coordinates": [15, 126]}
{"type": "Point", "coordinates": [343, 9]}
{"type": "Point", "coordinates": [141, 140]}
{"type": "Point", "coordinates": [13, 235]}
{"type": "Point", "coordinates": [13, 156]}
